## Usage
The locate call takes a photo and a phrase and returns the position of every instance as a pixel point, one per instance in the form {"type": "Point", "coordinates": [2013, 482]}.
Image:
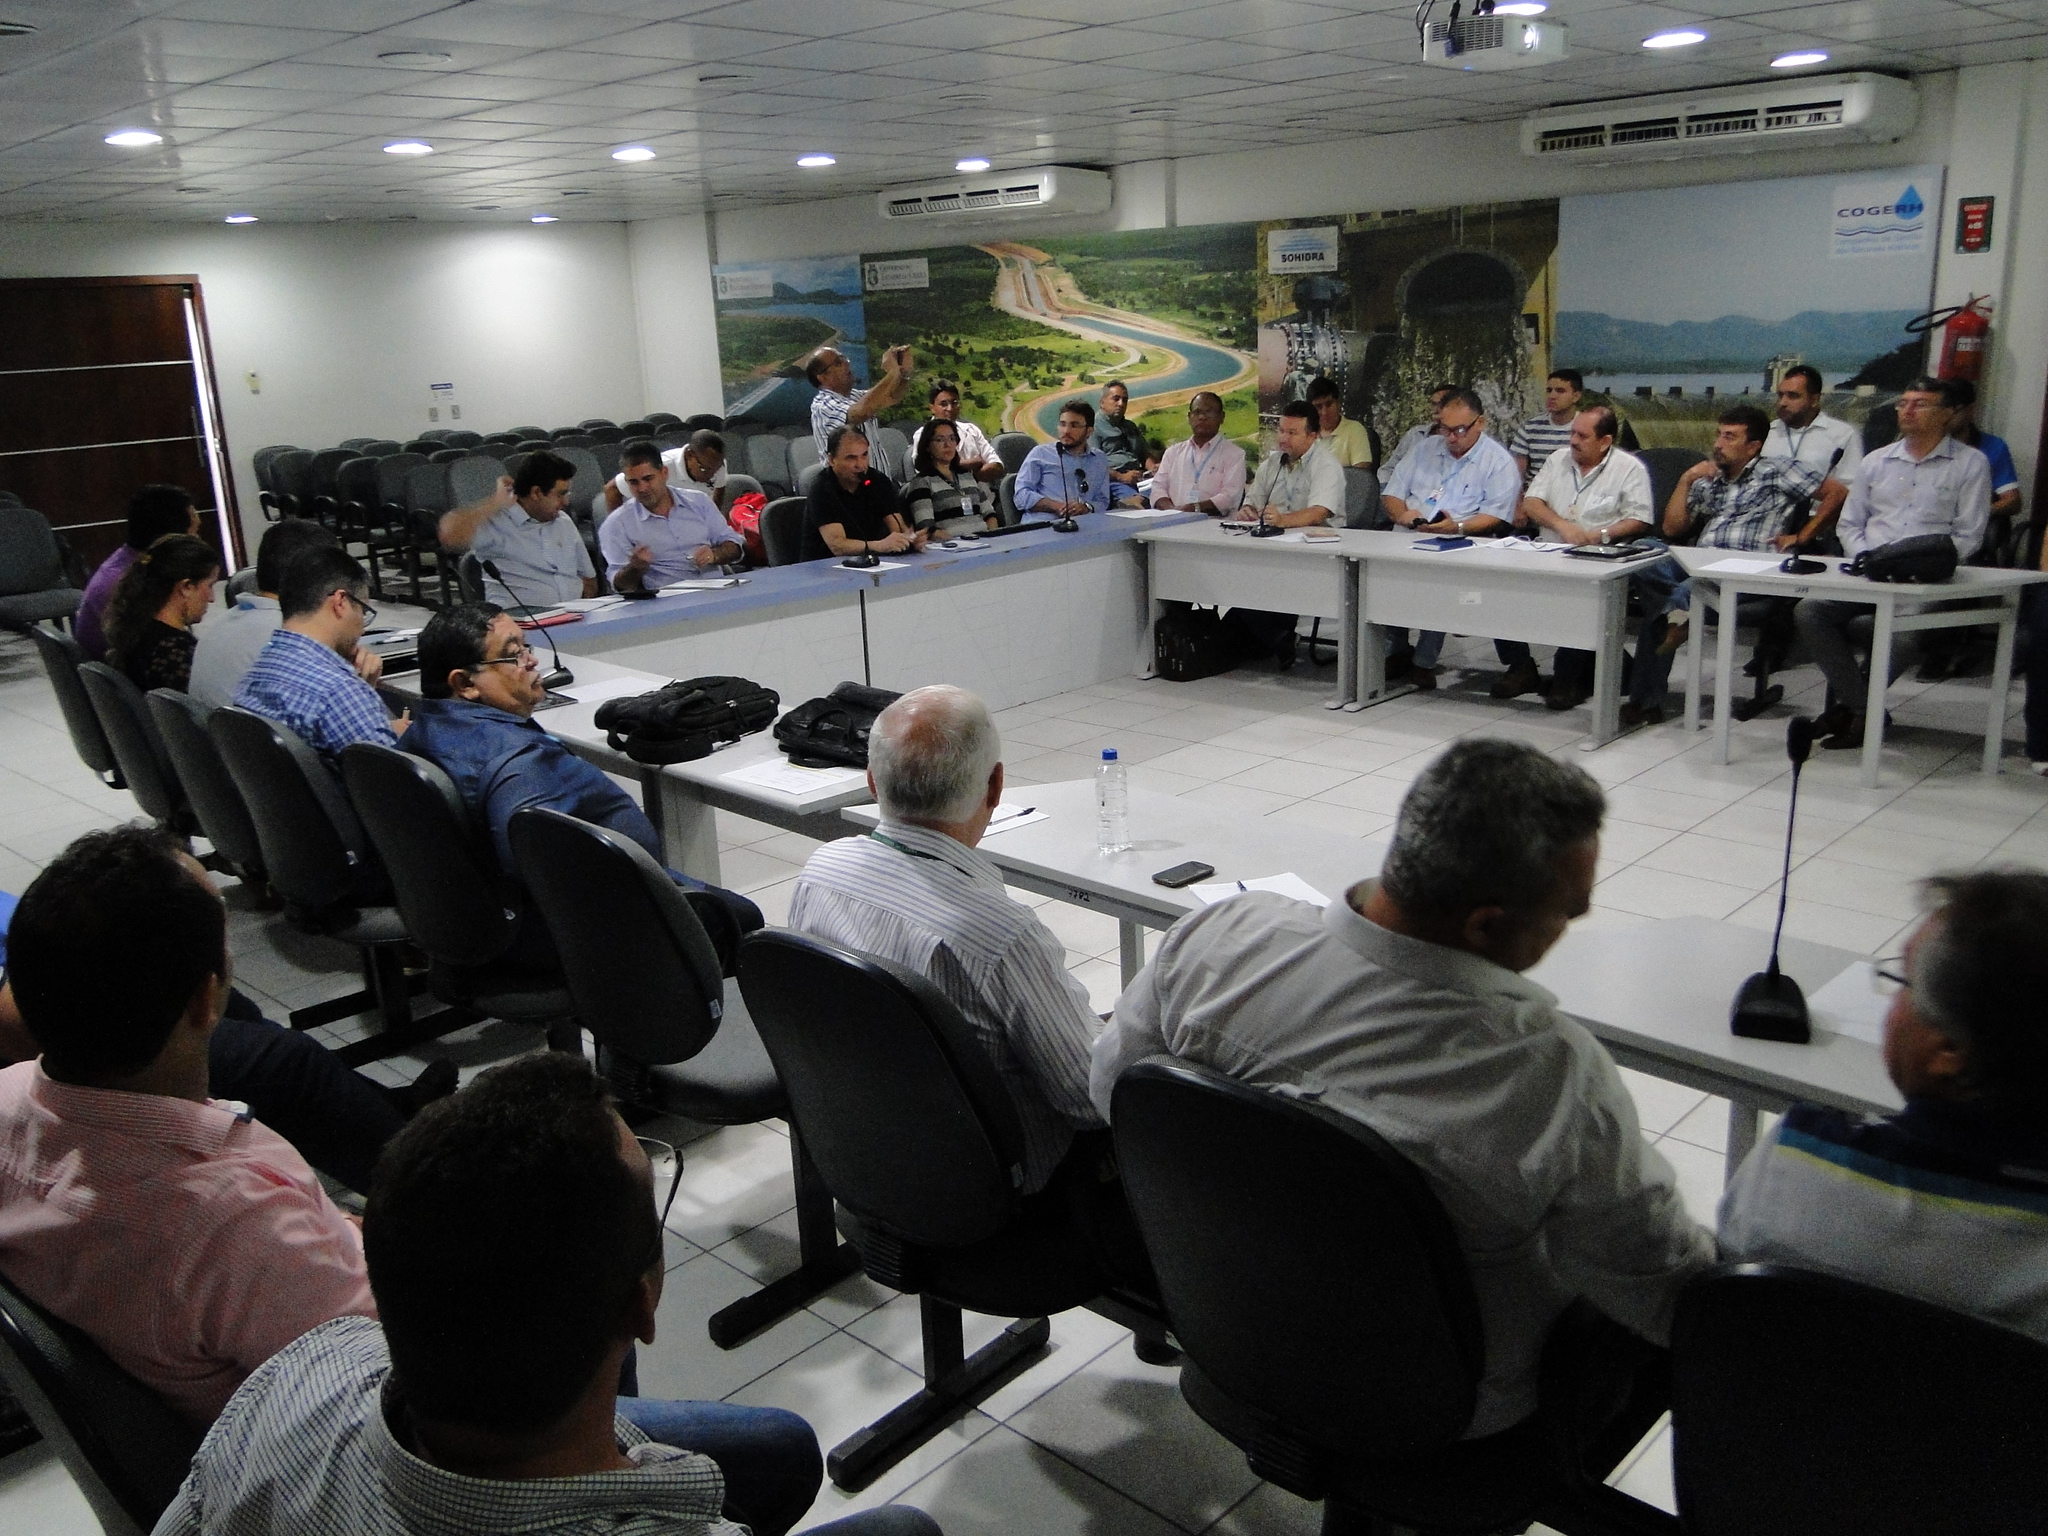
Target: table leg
{"type": "Point", "coordinates": [1695, 648]}
{"type": "Point", "coordinates": [1607, 665]}
{"type": "Point", "coordinates": [1368, 665]}
{"type": "Point", "coordinates": [1153, 609]}
{"type": "Point", "coordinates": [1724, 670]}
{"type": "Point", "coordinates": [1130, 949]}
{"type": "Point", "coordinates": [2001, 684]}
{"type": "Point", "coordinates": [1880, 680]}
{"type": "Point", "coordinates": [1742, 1129]}
{"type": "Point", "coordinates": [1347, 637]}
{"type": "Point", "coordinates": [688, 828]}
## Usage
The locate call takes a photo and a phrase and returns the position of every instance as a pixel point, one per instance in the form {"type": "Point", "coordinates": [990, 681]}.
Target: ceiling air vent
{"type": "Point", "coordinates": [1053, 189]}
{"type": "Point", "coordinates": [1849, 109]}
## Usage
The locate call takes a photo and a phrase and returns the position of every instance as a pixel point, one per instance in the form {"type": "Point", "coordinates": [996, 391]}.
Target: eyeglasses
{"type": "Point", "coordinates": [1888, 976]}
{"type": "Point", "coordinates": [369, 613]}
{"type": "Point", "coordinates": [664, 1161]}
{"type": "Point", "coordinates": [1451, 431]}
{"type": "Point", "coordinates": [520, 655]}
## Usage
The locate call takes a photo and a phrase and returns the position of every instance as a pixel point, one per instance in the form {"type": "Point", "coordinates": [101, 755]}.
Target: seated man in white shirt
{"type": "Point", "coordinates": [1807, 435]}
{"type": "Point", "coordinates": [977, 457]}
{"type": "Point", "coordinates": [1299, 486]}
{"type": "Point", "coordinates": [664, 533]}
{"type": "Point", "coordinates": [700, 462]}
{"type": "Point", "coordinates": [522, 530]}
{"type": "Point", "coordinates": [1403, 1005]}
{"type": "Point", "coordinates": [229, 643]}
{"type": "Point", "coordinates": [915, 891]}
{"type": "Point", "coordinates": [1204, 471]}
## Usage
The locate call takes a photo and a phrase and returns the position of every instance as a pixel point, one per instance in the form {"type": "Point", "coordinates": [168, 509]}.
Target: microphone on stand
{"type": "Point", "coordinates": [1769, 1005]}
{"type": "Point", "coordinates": [1266, 530]}
{"type": "Point", "coordinates": [560, 676]}
{"type": "Point", "coordinates": [1065, 523]}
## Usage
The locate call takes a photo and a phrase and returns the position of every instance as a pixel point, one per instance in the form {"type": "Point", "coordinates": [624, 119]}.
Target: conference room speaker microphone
{"type": "Point", "coordinates": [560, 676]}
{"type": "Point", "coordinates": [1065, 523]}
{"type": "Point", "coordinates": [1769, 1005]}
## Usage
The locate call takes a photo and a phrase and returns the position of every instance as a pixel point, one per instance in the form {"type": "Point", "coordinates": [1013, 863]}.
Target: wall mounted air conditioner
{"type": "Point", "coordinates": [1814, 109]}
{"type": "Point", "coordinates": [1042, 190]}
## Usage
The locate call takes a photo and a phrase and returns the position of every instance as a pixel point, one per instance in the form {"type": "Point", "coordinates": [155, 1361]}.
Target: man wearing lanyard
{"type": "Point", "coordinates": [1807, 435]}
{"type": "Point", "coordinates": [1203, 472]}
{"type": "Point", "coordinates": [1588, 492]}
{"type": "Point", "coordinates": [1301, 486]}
{"type": "Point", "coordinates": [1458, 481]}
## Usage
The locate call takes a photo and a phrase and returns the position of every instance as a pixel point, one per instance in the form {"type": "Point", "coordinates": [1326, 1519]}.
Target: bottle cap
{"type": "Point", "coordinates": [1109, 754]}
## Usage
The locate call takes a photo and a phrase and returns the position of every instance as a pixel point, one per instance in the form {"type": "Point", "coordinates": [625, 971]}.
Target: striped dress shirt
{"type": "Point", "coordinates": [306, 1445]}
{"type": "Point", "coordinates": [939, 908]}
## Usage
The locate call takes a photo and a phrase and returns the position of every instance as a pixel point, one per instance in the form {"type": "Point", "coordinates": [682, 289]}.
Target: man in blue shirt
{"type": "Point", "coordinates": [664, 533]}
{"type": "Point", "coordinates": [310, 677]}
{"type": "Point", "coordinates": [1067, 476]}
{"type": "Point", "coordinates": [482, 684]}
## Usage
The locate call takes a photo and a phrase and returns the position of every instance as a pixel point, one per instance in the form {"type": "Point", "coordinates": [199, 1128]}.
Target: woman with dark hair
{"type": "Point", "coordinates": [149, 622]}
{"type": "Point", "coordinates": [944, 493]}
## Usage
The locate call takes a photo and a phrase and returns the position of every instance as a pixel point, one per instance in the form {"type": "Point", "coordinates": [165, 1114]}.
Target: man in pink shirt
{"type": "Point", "coordinates": [189, 1241]}
{"type": "Point", "coordinates": [1205, 472]}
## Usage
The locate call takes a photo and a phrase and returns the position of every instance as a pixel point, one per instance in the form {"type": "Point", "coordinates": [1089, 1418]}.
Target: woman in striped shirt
{"type": "Point", "coordinates": [942, 493]}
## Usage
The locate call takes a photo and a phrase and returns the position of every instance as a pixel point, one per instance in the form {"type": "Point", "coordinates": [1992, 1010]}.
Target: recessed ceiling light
{"type": "Point", "coordinates": [240, 218]}
{"type": "Point", "coordinates": [408, 147]}
{"type": "Point", "coordinates": [410, 56]}
{"type": "Point", "coordinates": [633, 153]}
{"type": "Point", "coordinates": [543, 218]}
{"type": "Point", "coordinates": [1799, 60]}
{"type": "Point", "coordinates": [1520, 8]}
{"type": "Point", "coordinates": [976, 164]}
{"type": "Point", "coordinates": [134, 138]}
{"type": "Point", "coordinates": [815, 162]}
{"type": "Point", "coordinates": [1682, 37]}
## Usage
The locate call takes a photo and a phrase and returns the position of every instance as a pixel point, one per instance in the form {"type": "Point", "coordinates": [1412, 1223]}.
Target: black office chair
{"type": "Point", "coordinates": [125, 1447]}
{"type": "Point", "coordinates": [782, 530]}
{"type": "Point", "coordinates": [33, 582]}
{"type": "Point", "coordinates": [266, 487]}
{"type": "Point", "coordinates": [1665, 465]}
{"type": "Point", "coordinates": [1329, 1321]}
{"type": "Point", "coordinates": [62, 657]}
{"type": "Point", "coordinates": [210, 791]}
{"type": "Point", "coordinates": [704, 422]}
{"type": "Point", "coordinates": [1012, 448]}
{"type": "Point", "coordinates": [318, 859]}
{"type": "Point", "coordinates": [291, 479]}
{"type": "Point", "coordinates": [140, 751]}
{"type": "Point", "coordinates": [456, 903]}
{"type": "Point", "coordinates": [1805, 1405]}
{"type": "Point", "coordinates": [593, 421]}
{"type": "Point", "coordinates": [672, 1034]}
{"type": "Point", "coordinates": [524, 435]}
{"type": "Point", "coordinates": [917, 1139]}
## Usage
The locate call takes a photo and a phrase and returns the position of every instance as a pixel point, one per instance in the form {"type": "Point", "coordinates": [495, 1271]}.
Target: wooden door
{"type": "Point", "coordinates": [106, 384]}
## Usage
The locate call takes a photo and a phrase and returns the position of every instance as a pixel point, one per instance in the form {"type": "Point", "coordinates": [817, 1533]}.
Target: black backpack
{"type": "Point", "coordinates": [1188, 643]}
{"type": "Point", "coordinates": [832, 732]}
{"type": "Point", "coordinates": [686, 720]}
{"type": "Point", "coordinates": [1924, 557]}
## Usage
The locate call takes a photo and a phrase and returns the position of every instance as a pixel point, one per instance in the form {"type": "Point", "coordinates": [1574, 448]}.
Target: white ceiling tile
{"type": "Point", "coordinates": [808, 18]}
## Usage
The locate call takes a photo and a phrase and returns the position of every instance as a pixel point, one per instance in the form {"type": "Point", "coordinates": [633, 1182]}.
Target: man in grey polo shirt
{"type": "Point", "coordinates": [229, 643]}
{"type": "Point", "coordinates": [520, 528]}
{"type": "Point", "coordinates": [1926, 482]}
{"type": "Point", "coordinates": [1403, 1005]}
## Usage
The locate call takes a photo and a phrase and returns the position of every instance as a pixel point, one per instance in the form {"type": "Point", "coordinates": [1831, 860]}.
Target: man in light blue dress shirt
{"type": "Point", "coordinates": [663, 534]}
{"type": "Point", "coordinates": [522, 530]}
{"type": "Point", "coordinates": [1068, 476]}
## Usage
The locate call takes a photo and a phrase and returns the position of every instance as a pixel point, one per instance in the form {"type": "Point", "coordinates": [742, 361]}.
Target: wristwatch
{"type": "Point", "coordinates": [1606, 535]}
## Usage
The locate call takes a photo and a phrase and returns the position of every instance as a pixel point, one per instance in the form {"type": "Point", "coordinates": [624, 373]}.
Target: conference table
{"type": "Point", "coordinates": [1976, 596]}
{"type": "Point", "coordinates": [1656, 995]}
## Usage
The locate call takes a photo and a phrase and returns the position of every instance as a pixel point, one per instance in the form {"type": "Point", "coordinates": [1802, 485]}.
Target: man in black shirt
{"type": "Point", "coordinates": [852, 511]}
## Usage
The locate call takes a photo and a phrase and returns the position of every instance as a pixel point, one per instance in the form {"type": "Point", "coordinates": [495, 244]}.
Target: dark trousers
{"type": "Point", "coordinates": [337, 1119]}
{"type": "Point", "coordinates": [1088, 1183]}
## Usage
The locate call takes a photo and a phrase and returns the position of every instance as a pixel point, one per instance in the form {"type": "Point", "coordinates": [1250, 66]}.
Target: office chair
{"type": "Point", "coordinates": [1012, 448]}
{"type": "Point", "coordinates": [209, 789]}
{"type": "Point", "coordinates": [62, 657]}
{"type": "Point", "coordinates": [266, 488]}
{"type": "Point", "coordinates": [782, 529]}
{"type": "Point", "coordinates": [1329, 1322]}
{"type": "Point", "coordinates": [33, 585]}
{"type": "Point", "coordinates": [126, 1448]}
{"type": "Point", "coordinates": [768, 462]}
{"type": "Point", "coordinates": [918, 1141]}
{"type": "Point", "coordinates": [594, 421]}
{"type": "Point", "coordinates": [291, 475]}
{"type": "Point", "coordinates": [704, 422]}
{"type": "Point", "coordinates": [1805, 1405]}
{"type": "Point", "coordinates": [140, 751]}
{"type": "Point", "coordinates": [427, 496]}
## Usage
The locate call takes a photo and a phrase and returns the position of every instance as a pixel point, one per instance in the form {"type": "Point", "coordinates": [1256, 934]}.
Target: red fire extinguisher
{"type": "Point", "coordinates": [1966, 337]}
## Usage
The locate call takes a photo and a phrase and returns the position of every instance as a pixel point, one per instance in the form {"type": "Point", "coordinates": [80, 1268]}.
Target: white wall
{"type": "Point", "coordinates": [672, 300]}
{"type": "Point", "coordinates": [348, 324]}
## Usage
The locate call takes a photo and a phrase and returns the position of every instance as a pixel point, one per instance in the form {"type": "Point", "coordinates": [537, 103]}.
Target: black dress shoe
{"type": "Point", "coordinates": [438, 1081]}
{"type": "Point", "coordinates": [1639, 714]}
{"type": "Point", "coordinates": [1563, 696]}
{"type": "Point", "coordinates": [1398, 663]}
{"type": "Point", "coordinates": [1849, 738]}
{"type": "Point", "coordinates": [1519, 679]}
{"type": "Point", "coordinates": [1283, 653]}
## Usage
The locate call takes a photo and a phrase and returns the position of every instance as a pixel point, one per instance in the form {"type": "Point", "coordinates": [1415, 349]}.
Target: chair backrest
{"type": "Point", "coordinates": [897, 1101]}
{"type": "Point", "coordinates": [590, 478]}
{"type": "Point", "coordinates": [391, 472]}
{"type": "Point", "coordinates": [643, 973]}
{"type": "Point", "coordinates": [1309, 1271]}
{"type": "Point", "coordinates": [595, 421]}
{"type": "Point", "coordinates": [704, 421]}
{"type": "Point", "coordinates": [1804, 1403]}
{"type": "Point", "coordinates": [742, 485]}
{"type": "Point", "coordinates": [356, 481]}
{"type": "Point", "coordinates": [500, 440]}
{"type": "Point", "coordinates": [1665, 466]}
{"type": "Point", "coordinates": [768, 459]}
{"type": "Point", "coordinates": [469, 578]}
{"type": "Point", "coordinates": [782, 530]}
{"type": "Point", "coordinates": [1011, 448]}
{"type": "Point", "coordinates": [291, 476]}
{"type": "Point", "coordinates": [665, 420]}
{"type": "Point", "coordinates": [137, 747]}
{"type": "Point", "coordinates": [461, 439]}
{"type": "Point", "coordinates": [62, 657]}
{"type": "Point", "coordinates": [355, 442]}
{"type": "Point", "coordinates": [526, 434]}
{"type": "Point", "coordinates": [606, 457]}
{"type": "Point", "coordinates": [124, 1446]}
{"type": "Point", "coordinates": [802, 450]}
{"type": "Point", "coordinates": [315, 852]}
{"type": "Point", "coordinates": [473, 477]}
{"type": "Point", "coordinates": [437, 434]}
{"type": "Point", "coordinates": [447, 455]}
{"type": "Point", "coordinates": [891, 448]}
{"type": "Point", "coordinates": [422, 446]}
{"type": "Point", "coordinates": [216, 804]}
{"type": "Point", "coordinates": [499, 452]}
{"type": "Point", "coordinates": [596, 435]}
{"type": "Point", "coordinates": [263, 458]}
{"type": "Point", "coordinates": [456, 903]}
{"type": "Point", "coordinates": [326, 465]}
{"type": "Point", "coordinates": [30, 559]}
{"type": "Point", "coordinates": [378, 447]}
{"type": "Point", "coordinates": [1362, 507]}
{"type": "Point", "coordinates": [1006, 499]}
{"type": "Point", "coordinates": [807, 476]}
{"type": "Point", "coordinates": [533, 444]}
{"type": "Point", "coordinates": [426, 487]}
{"type": "Point", "coordinates": [668, 441]}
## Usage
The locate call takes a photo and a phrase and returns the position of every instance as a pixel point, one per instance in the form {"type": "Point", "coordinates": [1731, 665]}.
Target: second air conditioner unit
{"type": "Point", "coordinates": [1043, 190]}
{"type": "Point", "coordinates": [1842, 109]}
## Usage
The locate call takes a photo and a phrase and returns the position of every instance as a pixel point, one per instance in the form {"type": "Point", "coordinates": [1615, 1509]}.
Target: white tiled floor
{"type": "Point", "coordinates": [1089, 1438]}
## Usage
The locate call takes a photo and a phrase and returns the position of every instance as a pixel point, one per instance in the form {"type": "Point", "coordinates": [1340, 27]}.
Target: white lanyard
{"type": "Point", "coordinates": [1580, 487]}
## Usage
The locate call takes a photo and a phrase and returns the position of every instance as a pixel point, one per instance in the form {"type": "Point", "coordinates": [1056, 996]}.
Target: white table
{"type": "Point", "coordinates": [1542, 597]}
{"type": "Point", "coordinates": [1201, 563]}
{"type": "Point", "coordinates": [1057, 857]}
{"type": "Point", "coordinates": [1985, 596]}
{"type": "Point", "coordinates": [1658, 997]}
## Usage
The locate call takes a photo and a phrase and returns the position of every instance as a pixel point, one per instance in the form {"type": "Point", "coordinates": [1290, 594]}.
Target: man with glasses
{"type": "Point", "coordinates": [1422, 431]}
{"type": "Point", "coordinates": [310, 677]}
{"type": "Point", "coordinates": [1203, 472]}
{"type": "Point", "coordinates": [1925, 483]}
{"type": "Point", "coordinates": [977, 457]}
{"type": "Point", "coordinates": [1458, 482]}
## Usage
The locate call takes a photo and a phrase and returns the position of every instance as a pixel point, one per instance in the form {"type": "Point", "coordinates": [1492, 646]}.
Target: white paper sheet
{"type": "Point", "coordinates": [1529, 546]}
{"type": "Point", "coordinates": [612, 688]}
{"type": "Point", "coordinates": [1851, 1004]}
{"type": "Point", "coordinates": [785, 777]}
{"type": "Point", "coordinates": [1740, 566]}
{"type": "Point", "coordinates": [592, 604]}
{"type": "Point", "coordinates": [1008, 816]}
{"type": "Point", "coordinates": [1279, 885]}
{"type": "Point", "coordinates": [700, 584]}
{"type": "Point", "coordinates": [862, 570]}
{"type": "Point", "coordinates": [1143, 512]}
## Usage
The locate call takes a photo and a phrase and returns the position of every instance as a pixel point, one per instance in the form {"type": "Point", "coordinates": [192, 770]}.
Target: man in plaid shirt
{"type": "Point", "coordinates": [1733, 499]}
{"type": "Point", "coordinates": [311, 677]}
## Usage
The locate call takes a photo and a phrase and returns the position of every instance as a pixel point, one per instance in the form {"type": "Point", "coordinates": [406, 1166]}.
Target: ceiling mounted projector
{"type": "Point", "coordinates": [1480, 44]}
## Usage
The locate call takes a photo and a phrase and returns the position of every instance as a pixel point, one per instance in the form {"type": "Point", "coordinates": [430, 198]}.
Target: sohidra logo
{"type": "Point", "coordinates": [1302, 250]}
{"type": "Point", "coordinates": [1867, 225]}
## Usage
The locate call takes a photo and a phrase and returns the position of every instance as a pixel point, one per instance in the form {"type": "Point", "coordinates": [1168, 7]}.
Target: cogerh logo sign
{"type": "Point", "coordinates": [1875, 218]}
{"type": "Point", "coordinates": [1302, 250]}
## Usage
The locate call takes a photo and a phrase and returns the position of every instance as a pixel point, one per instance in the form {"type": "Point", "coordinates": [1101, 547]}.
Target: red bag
{"type": "Point", "coordinates": [745, 517]}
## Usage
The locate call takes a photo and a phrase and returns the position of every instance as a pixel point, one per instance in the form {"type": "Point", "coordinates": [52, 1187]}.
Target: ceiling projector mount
{"type": "Point", "coordinates": [1491, 38]}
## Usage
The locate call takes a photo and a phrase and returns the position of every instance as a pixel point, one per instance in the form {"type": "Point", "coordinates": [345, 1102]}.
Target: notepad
{"type": "Point", "coordinates": [1279, 885]}
{"type": "Point", "coordinates": [612, 688]}
{"type": "Point", "coordinates": [1742, 567]}
{"type": "Point", "coordinates": [702, 584]}
{"type": "Point", "coordinates": [1009, 816]}
{"type": "Point", "coordinates": [785, 777]}
{"type": "Point", "coordinates": [1851, 1004]}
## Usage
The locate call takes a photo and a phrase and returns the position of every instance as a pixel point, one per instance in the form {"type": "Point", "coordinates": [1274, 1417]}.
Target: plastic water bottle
{"type": "Point", "coordinates": [1112, 805]}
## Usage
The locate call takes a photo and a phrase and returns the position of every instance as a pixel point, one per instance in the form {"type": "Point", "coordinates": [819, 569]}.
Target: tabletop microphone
{"type": "Point", "coordinates": [1266, 530]}
{"type": "Point", "coordinates": [1065, 523]}
{"type": "Point", "coordinates": [561, 676]}
{"type": "Point", "coordinates": [1769, 1005]}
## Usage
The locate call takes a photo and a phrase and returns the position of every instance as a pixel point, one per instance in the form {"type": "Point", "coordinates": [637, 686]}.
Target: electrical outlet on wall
{"type": "Point", "coordinates": [455, 413]}
{"type": "Point", "coordinates": [433, 413]}
{"type": "Point", "coordinates": [255, 382]}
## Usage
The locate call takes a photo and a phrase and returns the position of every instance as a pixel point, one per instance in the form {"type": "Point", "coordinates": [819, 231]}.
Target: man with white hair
{"type": "Point", "coordinates": [914, 891]}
